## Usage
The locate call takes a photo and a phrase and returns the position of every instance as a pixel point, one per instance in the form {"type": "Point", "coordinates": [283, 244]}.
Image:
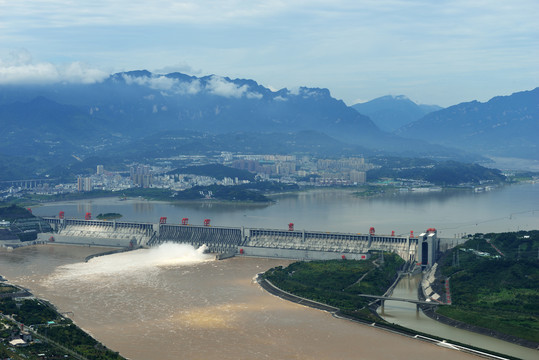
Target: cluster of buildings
{"type": "Point", "coordinates": [305, 170]}
{"type": "Point", "coordinates": [283, 168]}
{"type": "Point", "coordinates": [302, 170]}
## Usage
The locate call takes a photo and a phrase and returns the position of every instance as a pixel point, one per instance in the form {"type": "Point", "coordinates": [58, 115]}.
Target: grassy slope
{"type": "Point", "coordinates": [496, 293]}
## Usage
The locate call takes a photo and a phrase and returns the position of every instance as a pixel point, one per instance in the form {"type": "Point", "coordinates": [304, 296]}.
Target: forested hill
{"type": "Point", "coordinates": [439, 173]}
{"type": "Point", "coordinates": [504, 126]}
{"type": "Point", "coordinates": [493, 282]}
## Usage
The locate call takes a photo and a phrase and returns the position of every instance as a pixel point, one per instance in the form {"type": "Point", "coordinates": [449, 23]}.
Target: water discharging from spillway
{"type": "Point", "coordinates": [141, 264]}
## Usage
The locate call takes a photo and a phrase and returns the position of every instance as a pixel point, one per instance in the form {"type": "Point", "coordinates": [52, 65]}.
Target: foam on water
{"type": "Point", "coordinates": [133, 263]}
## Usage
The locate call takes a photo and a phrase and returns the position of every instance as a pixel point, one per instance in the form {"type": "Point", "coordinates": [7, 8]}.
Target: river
{"type": "Point", "coordinates": [452, 212]}
{"type": "Point", "coordinates": [177, 304]}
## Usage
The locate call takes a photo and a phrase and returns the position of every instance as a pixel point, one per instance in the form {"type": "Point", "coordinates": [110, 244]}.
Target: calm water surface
{"type": "Point", "coordinates": [452, 212]}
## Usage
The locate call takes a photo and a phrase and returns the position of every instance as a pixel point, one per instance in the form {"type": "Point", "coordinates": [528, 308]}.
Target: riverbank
{"type": "Point", "coordinates": [438, 287]}
{"type": "Point", "coordinates": [37, 329]}
{"type": "Point", "coordinates": [429, 311]}
{"type": "Point", "coordinates": [381, 324]}
{"type": "Point", "coordinates": [492, 287]}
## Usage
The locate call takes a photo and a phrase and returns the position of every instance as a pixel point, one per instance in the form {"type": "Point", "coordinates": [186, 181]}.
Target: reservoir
{"type": "Point", "coordinates": [452, 212]}
{"type": "Point", "coordinates": [170, 303]}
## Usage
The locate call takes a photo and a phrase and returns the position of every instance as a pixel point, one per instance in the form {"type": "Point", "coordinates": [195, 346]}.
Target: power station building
{"type": "Point", "coordinates": [428, 247]}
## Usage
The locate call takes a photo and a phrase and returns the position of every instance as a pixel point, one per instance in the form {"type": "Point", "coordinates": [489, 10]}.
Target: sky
{"type": "Point", "coordinates": [439, 52]}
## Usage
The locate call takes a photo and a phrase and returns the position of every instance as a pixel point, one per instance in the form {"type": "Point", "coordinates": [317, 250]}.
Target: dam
{"type": "Point", "coordinates": [242, 241]}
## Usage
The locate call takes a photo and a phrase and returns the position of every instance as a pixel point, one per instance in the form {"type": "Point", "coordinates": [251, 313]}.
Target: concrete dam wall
{"type": "Point", "coordinates": [231, 241]}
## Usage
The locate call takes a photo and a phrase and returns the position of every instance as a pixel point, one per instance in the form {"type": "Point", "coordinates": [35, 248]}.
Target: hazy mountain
{"type": "Point", "coordinates": [392, 112]}
{"type": "Point", "coordinates": [46, 128]}
{"type": "Point", "coordinates": [85, 118]}
{"type": "Point", "coordinates": [504, 126]}
{"type": "Point", "coordinates": [138, 102]}
{"type": "Point", "coordinates": [133, 115]}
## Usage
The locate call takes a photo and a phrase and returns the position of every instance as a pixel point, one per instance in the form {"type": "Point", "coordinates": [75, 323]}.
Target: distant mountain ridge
{"type": "Point", "coordinates": [129, 115]}
{"type": "Point", "coordinates": [392, 112]}
{"type": "Point", "coordinates": [134, 103]}
{"type": "Point", "coordinates": [131, 105]}
{"type": "Point", "coordinates": [504, 126]}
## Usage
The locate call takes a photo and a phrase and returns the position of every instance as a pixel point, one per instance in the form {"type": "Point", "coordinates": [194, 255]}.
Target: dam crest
{"type": "Point", "coordinates": [241, 241]}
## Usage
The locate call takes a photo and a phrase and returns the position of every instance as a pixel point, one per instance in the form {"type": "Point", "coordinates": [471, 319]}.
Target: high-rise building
{"type": "Point", "coordinates": [84, 184]}
{"type": "Point", "coordinates": [80, 184]}
{"type": "Point", "coordinates": [100, 170]}
{"type": "Point", "coordinates": [87, 184]}
{"type": "Point", "coordinates": [359, 177]}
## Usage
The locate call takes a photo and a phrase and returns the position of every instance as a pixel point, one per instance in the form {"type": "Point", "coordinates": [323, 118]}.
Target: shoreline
{"type": "Point", "coordinates": [25, 293]}
{"type": "Point", "coordinates": [429, 312]}
{"type": "Point", "coordinates": [354, 191]}
{"type": "Point", "coordinates": [409, 333]}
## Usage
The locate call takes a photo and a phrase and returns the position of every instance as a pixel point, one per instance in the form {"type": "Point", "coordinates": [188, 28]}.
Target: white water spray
{"type": "Point", "coordinates": [133, 263]}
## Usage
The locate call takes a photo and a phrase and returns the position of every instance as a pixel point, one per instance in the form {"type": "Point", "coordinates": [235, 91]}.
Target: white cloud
{"type": "Point", "coordinates": [77, 72]}
{"type": "Point", "coordinates": [19, 67]}
{"type": "Point", "coordinates": [357, 49]}
{"type": "Point", "coordinates": [63, 13]}
{"type": "Point", "coordinates": [154, 82]}
{"type": "Point", "coordinates": [216, 85]}
{"type": "Point", "coordinates": [38, 73]}
{"type": "Point", "coordinates": [294, 90]}
{"type": "Point", "coordinates": [254, 95]}
{"type": "Point", "coordinates": [190, 88]}
{"type": "Point", "coordinates": [220, 86]}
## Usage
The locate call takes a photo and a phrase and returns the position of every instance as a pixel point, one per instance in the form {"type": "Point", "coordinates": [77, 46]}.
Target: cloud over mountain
{"type": "Point", "coordinates": [18, 67]}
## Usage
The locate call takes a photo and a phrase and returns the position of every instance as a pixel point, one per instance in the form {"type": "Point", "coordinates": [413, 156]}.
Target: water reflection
{"type": "Point", "coordinates": [143, 207]}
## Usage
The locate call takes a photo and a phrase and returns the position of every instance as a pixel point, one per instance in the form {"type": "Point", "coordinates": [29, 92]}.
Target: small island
{"type": "Point", "coordinates": [108, 216]}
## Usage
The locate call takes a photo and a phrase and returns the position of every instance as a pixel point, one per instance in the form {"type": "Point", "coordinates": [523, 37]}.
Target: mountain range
{"type": "Point", "coordinates": [135, 115]}
{"type": "Point", "coordinates": [505, 126]}
{"type": "Point", "coordinates": [390, 113]}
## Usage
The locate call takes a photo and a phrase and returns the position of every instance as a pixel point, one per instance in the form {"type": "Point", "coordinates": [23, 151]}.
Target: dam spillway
{"type": "Point", "coordinates": [242, 241]}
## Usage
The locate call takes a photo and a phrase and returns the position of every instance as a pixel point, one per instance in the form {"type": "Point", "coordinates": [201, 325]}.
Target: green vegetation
{"type": "Point", "coordinates": [38, 198]}
{"type": "Point", "coordinates": [338, 282]}
{"type": "Point", "coordinates": [28, 312]}
{"type": "Point", "coordinates": [251, 192]}
{"type": "Point", "coordinates": [371, 190]}
{"type": "Point", "coordinates": [7, 289]}
{"type": "Point", "coordinates": [12, 212]}
{"type": "Point", "coordinates": [496, 290]}
{"type": "Point", "coordinates": [54, 335]}
{"type": "Point", "coordinates": [74, 338]}
{"type": "Point", "coordinates": [108, 216]}
{"type": "Point", "coordinates": [445, 173]}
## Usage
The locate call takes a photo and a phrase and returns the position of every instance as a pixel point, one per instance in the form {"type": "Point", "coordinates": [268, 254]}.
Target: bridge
{"type": "Point", "coordinates": [417, 302]}
{"type": "Point", "coordinates": [242, 241]}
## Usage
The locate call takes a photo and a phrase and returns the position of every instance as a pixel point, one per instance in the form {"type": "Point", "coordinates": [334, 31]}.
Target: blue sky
{"type": "Point", "coordinates": [435, 52]}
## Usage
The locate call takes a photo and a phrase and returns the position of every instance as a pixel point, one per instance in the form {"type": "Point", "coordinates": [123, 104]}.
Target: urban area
{"type": "Point", "coordinates": [290, 169]}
